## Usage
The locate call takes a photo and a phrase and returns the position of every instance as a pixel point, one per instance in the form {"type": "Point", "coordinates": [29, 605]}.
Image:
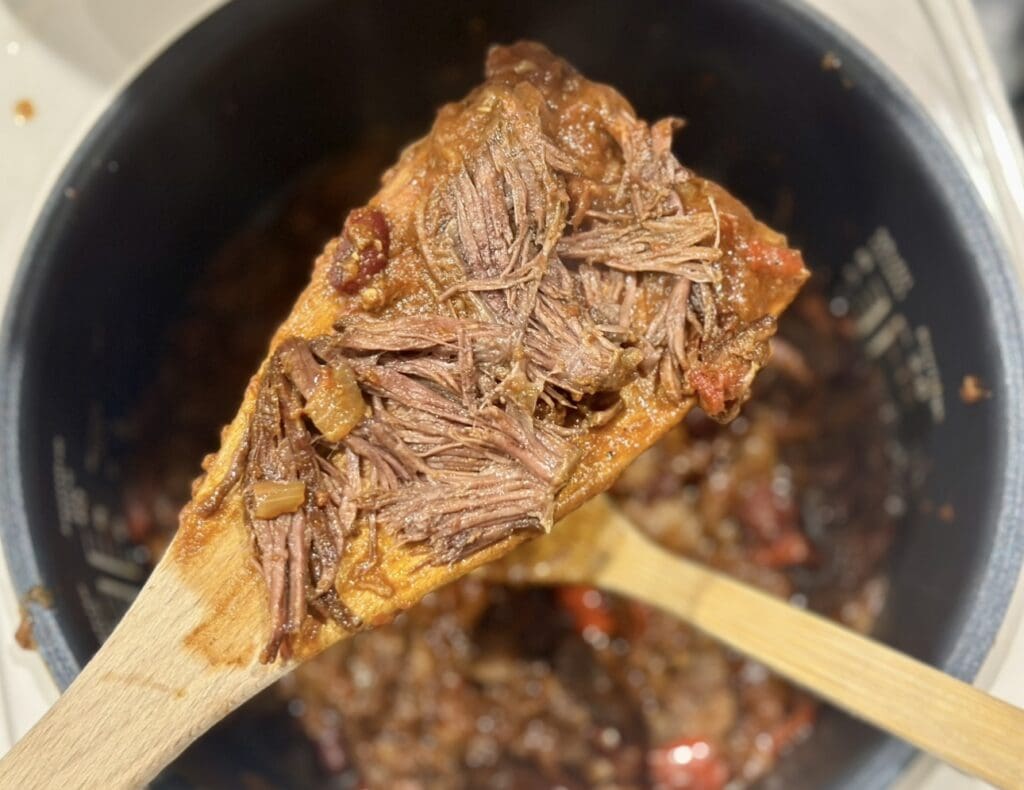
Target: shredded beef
{"type": "Point", "coordinates": [562, 273]}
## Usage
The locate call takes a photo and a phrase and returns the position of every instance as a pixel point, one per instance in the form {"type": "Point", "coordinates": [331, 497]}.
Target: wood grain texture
{"type": "Point", "coordinates": [145, 695]}
{"type": "Point", "coordinates": [187, 652]}
{"type": "Point", "coordinates": [939, 714]}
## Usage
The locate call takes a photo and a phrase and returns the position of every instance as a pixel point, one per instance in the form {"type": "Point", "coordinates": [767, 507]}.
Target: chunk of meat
{"type": "Point", "coordinates": [541, 264]}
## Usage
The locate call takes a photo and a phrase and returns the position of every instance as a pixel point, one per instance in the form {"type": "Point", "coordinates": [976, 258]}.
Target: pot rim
{"type": "Point", "coordinates": [984, 615]}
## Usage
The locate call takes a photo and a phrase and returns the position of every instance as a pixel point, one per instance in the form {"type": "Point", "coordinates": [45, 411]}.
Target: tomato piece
{"type": "Point", "coordinates": [790, 548]}
{"type": "Point", "coordinates": [763, 256]}
{"type": "Point", "coordinates": [362, 252]}
{"type": "Point", "coordinates": [716, 385]}
{"type": "Point", "coordinates": [774, 521]}
{"type": "Point", "coordinates": [766, 514]}
{"type": "Point", "coordinates": [588, 607]}
{"type": "Point", "coordinates": [795, 727]}
{"type": "Point", "coordinates": [688, 764]}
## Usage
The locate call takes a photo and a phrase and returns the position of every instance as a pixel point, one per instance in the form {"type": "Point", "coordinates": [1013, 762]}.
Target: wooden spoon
{"type": "Point", "coordinates": [187, 652]}
{"type": "Point", "coordinates": [597, 545]}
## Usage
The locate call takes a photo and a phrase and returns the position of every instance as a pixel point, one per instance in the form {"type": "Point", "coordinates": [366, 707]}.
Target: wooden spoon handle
{"type": "Point", "coordinates": [141, 700]}
{"type": "Point", "coordinates": [937, 713]}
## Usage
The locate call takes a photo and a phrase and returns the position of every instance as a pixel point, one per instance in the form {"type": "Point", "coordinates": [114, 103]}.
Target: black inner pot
{"type": "Point", "coordinates": [830, 150]}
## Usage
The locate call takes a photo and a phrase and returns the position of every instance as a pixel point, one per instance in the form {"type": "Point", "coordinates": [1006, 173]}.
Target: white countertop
{"type": "Point", "coordinates": [69, 57]}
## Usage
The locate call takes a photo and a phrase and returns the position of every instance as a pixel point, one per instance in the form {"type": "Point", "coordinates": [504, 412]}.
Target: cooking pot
{"type": "Point", "coordinates": [793, 116]}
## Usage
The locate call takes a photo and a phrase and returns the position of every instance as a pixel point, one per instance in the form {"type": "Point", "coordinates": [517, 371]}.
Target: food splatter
{"type": "Point", "coordinates": [24, 111]}
{"type": "Point", "coordinates": [25, 635]}
{"type": "Point", "coordinates": [972, 390]}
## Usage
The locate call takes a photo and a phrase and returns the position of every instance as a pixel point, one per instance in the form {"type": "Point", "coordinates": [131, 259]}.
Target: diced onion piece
{"type": "Point", "coordinates": [273, 498]}
{"type": "Point", "coordinates": [336, 405]}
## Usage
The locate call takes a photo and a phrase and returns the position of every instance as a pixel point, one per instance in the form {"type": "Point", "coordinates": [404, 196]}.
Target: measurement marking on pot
{"type": "Point", "coordinates": [116, 589]}
{"type": "Point", "coordinates": [929, 382]}
{"type": "Point", "coordinates": [72, 501]}
{"type": "Point", "coordinates": [890, 263]}
{"type": "Point", "coordinates": [874, 281]}
{"type": "Point", "coordinates": [879, 306]}
{"type": "Point", "coordinates": [115, 566]}
{"type": "Point", "coordinates": [883, 340]}
{"type": "Point", "coordinates": [100, 519]}
{"type": "Point", "coordinates": [100, 622]}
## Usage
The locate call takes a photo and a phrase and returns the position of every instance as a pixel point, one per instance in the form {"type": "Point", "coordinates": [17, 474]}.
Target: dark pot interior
{"type": "Point", "coordinates": [260, 91]}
